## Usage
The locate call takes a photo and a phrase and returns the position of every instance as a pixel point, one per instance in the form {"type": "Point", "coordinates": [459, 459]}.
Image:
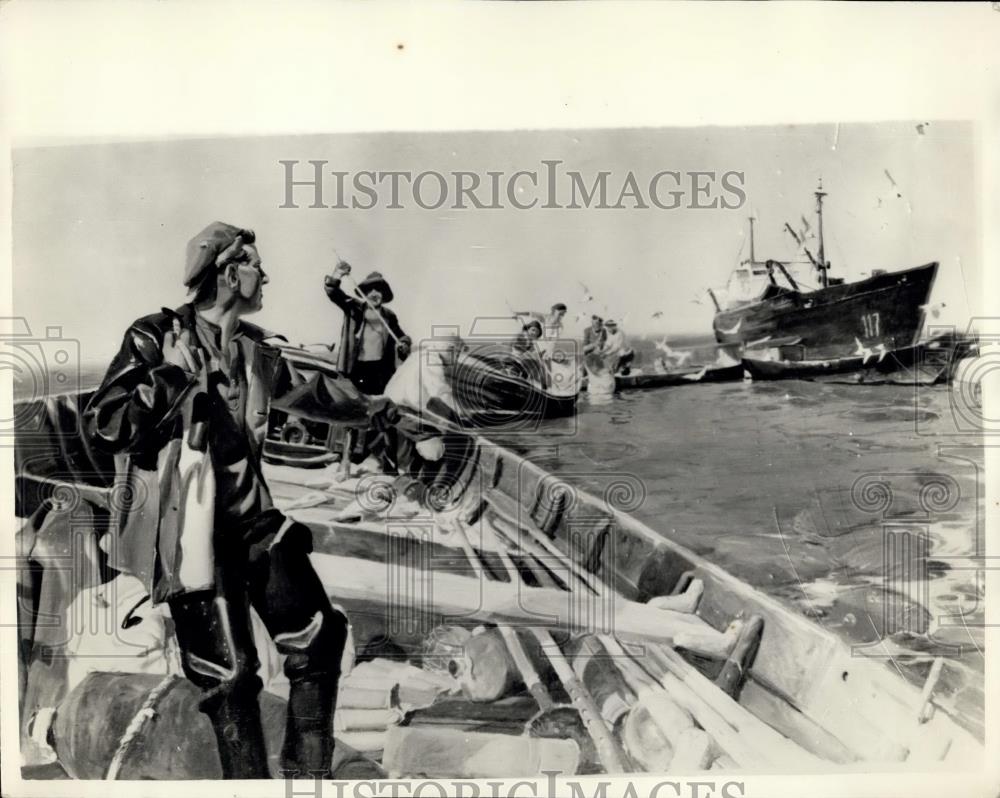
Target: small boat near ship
{"type": "Point", "coordinates": [927, 363]}
{"type": "Point", "coordinates": [885, 309]}
{"type": "Point", "coordinates": [689, 375]}
{"type": "Point", "coordinates": [568, 634]}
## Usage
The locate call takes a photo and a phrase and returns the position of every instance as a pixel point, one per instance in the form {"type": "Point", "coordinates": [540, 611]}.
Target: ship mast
{"type": "Point", "coordinates": [753, 257]}
{"type": "Point", "coordinates": [823, 266]}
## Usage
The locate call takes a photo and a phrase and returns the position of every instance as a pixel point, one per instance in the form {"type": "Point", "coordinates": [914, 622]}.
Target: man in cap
{"type": "Point", "coordinates": [184, 405]}
{"type": "Point", "coordinates": [370, 338]}
{"type": "Point", "coordinates": [617, 355]}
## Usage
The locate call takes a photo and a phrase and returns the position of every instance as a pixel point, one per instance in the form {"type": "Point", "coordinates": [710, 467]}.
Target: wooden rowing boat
{"type": "Point", "coordinates": [495, 388]}
{"type": "Point", "coordinates": [804, 682]}
{"type": "Point", "coordinates": [927, 363]}
{"type": "Point", "coordinates": [676, 377]}
{"type": "Point", "coordinates": [515, 547]}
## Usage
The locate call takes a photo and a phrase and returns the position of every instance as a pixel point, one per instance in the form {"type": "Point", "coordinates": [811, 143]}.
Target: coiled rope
{"type": "Point", "coordinates": [145, 714]}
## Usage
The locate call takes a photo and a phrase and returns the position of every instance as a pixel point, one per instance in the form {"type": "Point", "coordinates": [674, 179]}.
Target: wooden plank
{"type": "Point", "coordinates": [781, 716]}
{"type": "Point", "coordinates": [351, 579]}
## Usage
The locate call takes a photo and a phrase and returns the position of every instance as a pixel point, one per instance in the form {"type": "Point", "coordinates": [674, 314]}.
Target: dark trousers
{"type": "Point", "coordinates": [371, 376]}
{"type": "Point", "coordinates": [271, 572]}
{"type": "Point", "coordinates": [624, 364]}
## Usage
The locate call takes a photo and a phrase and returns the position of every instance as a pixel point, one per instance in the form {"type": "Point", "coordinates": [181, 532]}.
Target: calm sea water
{"type": "Point", "coordinates": [783, 484]}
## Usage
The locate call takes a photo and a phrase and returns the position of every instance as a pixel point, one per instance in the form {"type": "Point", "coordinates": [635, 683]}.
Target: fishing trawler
{"type": "Point", "coordinates": [508, 625]}
{"type": "Point", "coordinates": [764, 305]}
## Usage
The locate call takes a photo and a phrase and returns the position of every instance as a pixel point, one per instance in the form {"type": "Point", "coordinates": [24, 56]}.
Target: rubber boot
{"type": "Point", "coordinates": [308, 746]}
{"type": "Point", "coordinates": [240, 735]}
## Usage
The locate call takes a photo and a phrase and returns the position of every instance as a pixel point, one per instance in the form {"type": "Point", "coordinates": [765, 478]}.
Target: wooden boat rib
{"type": "Point", "coordinates": [585, 565]}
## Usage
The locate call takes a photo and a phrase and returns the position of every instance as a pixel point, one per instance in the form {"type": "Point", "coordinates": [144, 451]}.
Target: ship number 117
{"type": "Point", "coordinates": [870, 323]}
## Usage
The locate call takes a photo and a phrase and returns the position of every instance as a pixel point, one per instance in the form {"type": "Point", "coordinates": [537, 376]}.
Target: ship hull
{"type": "Point", "coordinates": [830, 322]}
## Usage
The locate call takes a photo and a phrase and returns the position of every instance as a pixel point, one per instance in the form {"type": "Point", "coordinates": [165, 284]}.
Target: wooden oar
{"type": "Point", "coordinates": [609, 751]}
{"type": "Point", "coordinates": [736, 745]}
{"type": "Point", "coordinates": [706, 700]}
{"type": "Point", "coordinates": [705, 696]}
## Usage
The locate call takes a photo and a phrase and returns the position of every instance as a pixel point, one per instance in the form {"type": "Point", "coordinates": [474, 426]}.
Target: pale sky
{"type": "Point", "coordinates": [100, 229]}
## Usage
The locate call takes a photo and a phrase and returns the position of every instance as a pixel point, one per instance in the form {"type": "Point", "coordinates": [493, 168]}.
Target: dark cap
{"type": "Point", "coordinates": [204, 248]}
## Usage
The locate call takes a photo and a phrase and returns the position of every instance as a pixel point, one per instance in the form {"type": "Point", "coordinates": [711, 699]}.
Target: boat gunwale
{"type": "Point", "coordinates": [875, 673]}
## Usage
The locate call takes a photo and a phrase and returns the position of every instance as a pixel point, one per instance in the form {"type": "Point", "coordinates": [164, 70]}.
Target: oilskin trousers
{"type": "Point", "coordinates": [264, 564]}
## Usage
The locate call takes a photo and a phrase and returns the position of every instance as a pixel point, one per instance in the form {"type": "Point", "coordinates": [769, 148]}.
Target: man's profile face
{"type": "Point", "coordinates": [375, 297]}
{"type": "Point", "coordinates": [251, 279]}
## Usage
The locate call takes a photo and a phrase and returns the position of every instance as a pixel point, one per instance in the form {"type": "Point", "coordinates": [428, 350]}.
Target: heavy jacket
{"type": "Point", "coordinates": [353, 329]}
{"type": "Point", "coordinates": [143, 414]}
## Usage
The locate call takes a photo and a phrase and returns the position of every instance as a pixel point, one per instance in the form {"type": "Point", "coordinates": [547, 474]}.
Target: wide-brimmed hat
{"type": "Point", "coordinates": [373, 281]}
{"type": "Point", "coordinates": [611, 323]}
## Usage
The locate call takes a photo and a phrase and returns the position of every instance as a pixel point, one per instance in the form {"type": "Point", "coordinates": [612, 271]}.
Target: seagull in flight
{"type": "Point", "coordinates": [664, 347]}
{"type": "Point", "coordinates": [679, 358]}
{"type": "Point", "coordinates": [864, 352]}
{"type": "Point", "coordinates": [934, 311]}
{"type": "Point", "coordinates": [893, 184]}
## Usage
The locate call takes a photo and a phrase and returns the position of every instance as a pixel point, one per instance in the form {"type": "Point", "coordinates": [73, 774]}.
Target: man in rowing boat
{"type": "Point", "coordinates": [594, 336]}
{"type": "Point", "coordinates": [430, 444]}
{"type": "Point", "coordinates": [370, 338]}
{"type": "Point", "coordinates": [554, 320]}
{"type": "Point", "coordinates": [184, 407]}
{"type": "Point", "coordinates": [526, 342]}
{"type": "Point", "coordinates": [615, 352]}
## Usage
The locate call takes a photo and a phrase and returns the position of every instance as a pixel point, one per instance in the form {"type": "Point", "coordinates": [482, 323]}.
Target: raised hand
{"type": "Point", "coordinates": [342, 269]}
